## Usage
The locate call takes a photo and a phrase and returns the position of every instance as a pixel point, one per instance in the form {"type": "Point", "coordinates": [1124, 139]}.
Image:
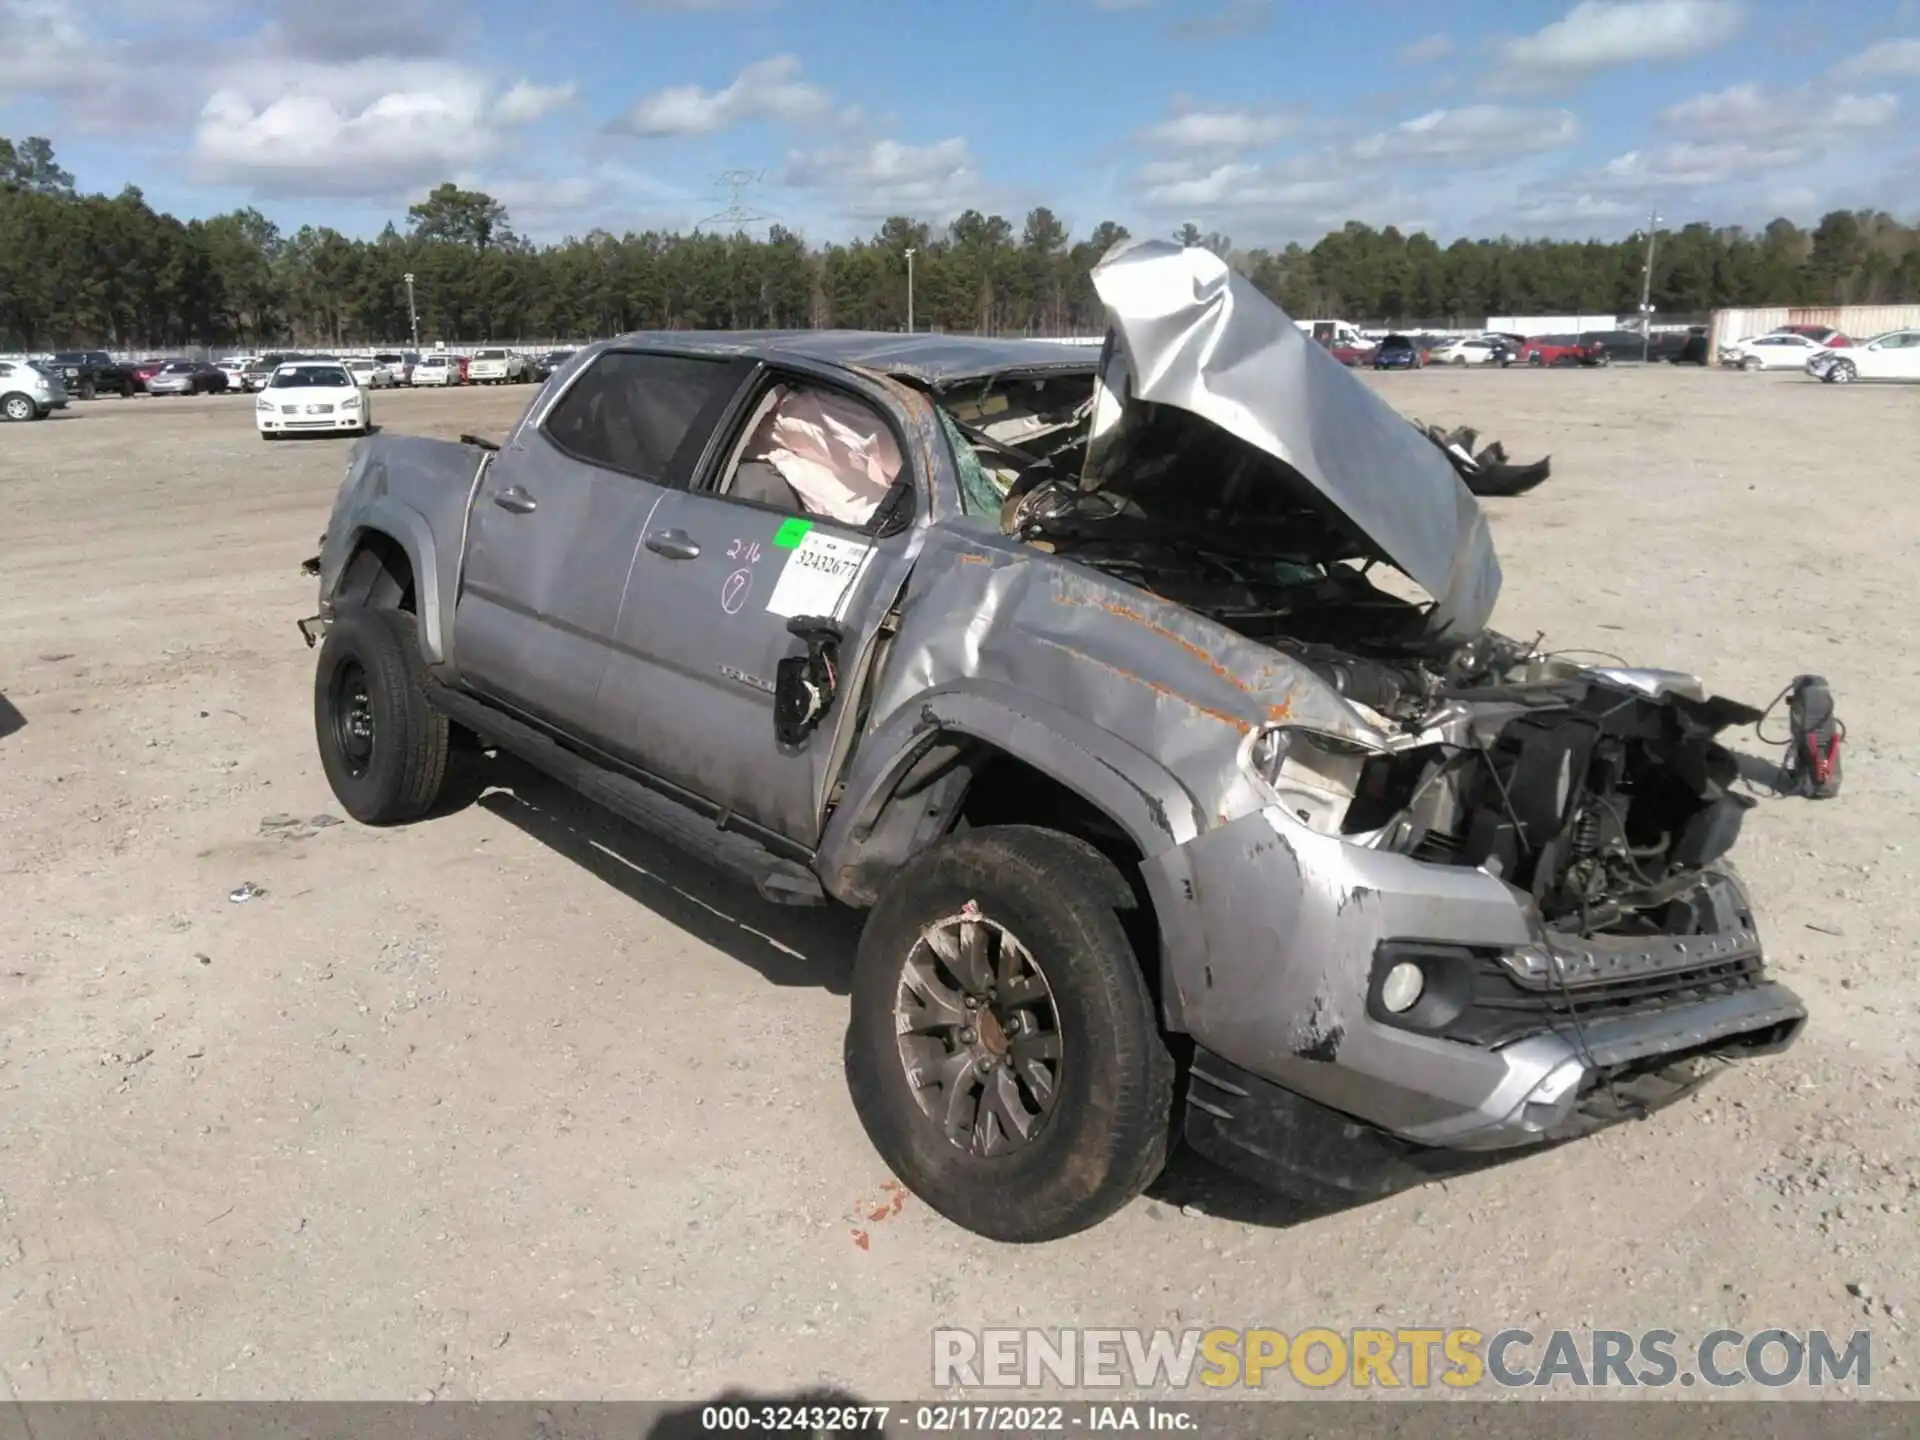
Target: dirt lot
{"type": "Point", "coordinates": [514, 1104]}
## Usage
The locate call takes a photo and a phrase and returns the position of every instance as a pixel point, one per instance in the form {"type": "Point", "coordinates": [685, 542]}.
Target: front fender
{"type": "Point", "coordinates": [409, 529]}
{"type": "Point", "coordinates": [1129, 786]}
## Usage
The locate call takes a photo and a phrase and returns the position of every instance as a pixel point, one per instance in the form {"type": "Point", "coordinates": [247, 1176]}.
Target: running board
{"type": "Point", "coordinates": [779, 880]}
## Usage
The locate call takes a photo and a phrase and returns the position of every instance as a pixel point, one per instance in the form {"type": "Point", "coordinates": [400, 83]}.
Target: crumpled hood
{"type": "Point", "coordinates": [1186, 332]}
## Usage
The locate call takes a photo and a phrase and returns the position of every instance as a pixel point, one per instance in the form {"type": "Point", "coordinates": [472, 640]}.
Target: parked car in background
{"type": "Point", "coordinates": [437, 370]}
{"type": "Point", "coordinates": [499, 367]}
{"type": "Point", "coordinates": [86, 373]}
{"type": "Point", "coordinates": [1564, 350]}
{"type": "Point", "coordinates": [399, 365]}
{"type": "Point", "coordinates": [545, 365]}
{"type": "Point", "coordinates": [1397, 352]}
{"type": "Point", "coordinates": [369, 374]}
{"type": "Point", "coordinates": [309, 395]}
{"type": "Point", "coordinates": [259, 371]}
{"type": "Point", "coordinates": [1892, 356]}
{"type": "Point", "coordinates": [235, 369]}
{"type": "Point", "coordinates": [187, 377]}
{"type": "Point", "coordinates": [1824, 335]}
{"type": "Point", "coordinates": [1350, 352]}
{"type": "Point", "coordinates": [1471, 350]}
{"type": "Point", "coordinates": [145, 370]}
{"type": "Point", "coordinates": [1776, 351]}
{"type": "Point", "coordinates": [29, 391]}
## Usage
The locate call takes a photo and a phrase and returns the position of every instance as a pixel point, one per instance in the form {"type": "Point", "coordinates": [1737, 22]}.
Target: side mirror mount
{"type": "Point", "coordinates": [894, 513]}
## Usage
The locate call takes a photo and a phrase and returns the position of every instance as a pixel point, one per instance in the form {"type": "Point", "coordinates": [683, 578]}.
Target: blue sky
{"type": "Point", "coordinates": [1268, 120]}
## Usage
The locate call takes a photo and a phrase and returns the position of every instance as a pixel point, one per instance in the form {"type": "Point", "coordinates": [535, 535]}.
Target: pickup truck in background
{"type": "Point", "coordinates": [498, 367]}
{"type": "Point", "coordinates": [87, 373]}
{"type": "Point", "coordinates": [1064, 665]}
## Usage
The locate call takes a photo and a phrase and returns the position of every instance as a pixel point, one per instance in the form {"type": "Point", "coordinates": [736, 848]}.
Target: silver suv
{"type": "Point", "coordinates": [1068, 665]}
{"type": "Point", "coordinates": [29, 392]}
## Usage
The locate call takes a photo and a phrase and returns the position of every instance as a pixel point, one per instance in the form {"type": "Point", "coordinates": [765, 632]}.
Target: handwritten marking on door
{"type": "Point", "coordinates": [747, 550]}
{"type": "Point", "coordinates": [734, 589]}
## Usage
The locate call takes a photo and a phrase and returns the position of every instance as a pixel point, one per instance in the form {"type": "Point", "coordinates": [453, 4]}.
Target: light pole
{"type": "Point", "coordinates": [909, 289]}
{"type": "Point", "coordinates": [413, 317]}
{"type": "Point", "coordinates": [1646, 289]}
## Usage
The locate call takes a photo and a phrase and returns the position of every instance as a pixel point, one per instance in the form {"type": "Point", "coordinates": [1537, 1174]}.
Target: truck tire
{"type": "Point", "coordinates": [1002, 1049]}
{"type": "Point", "coordinates": [384, 748]}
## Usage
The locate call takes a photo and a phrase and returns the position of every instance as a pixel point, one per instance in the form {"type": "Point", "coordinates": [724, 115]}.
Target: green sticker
{"type": "Point", "coordinates": [791, 533]}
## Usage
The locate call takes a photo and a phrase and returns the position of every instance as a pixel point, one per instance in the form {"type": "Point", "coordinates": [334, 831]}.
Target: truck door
{"type": "Point", "coordinates": [766, 534]}
{"type": "Point", "coordinates": [557, 518]}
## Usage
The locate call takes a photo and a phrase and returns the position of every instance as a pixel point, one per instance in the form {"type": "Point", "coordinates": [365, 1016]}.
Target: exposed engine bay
{"type": "Point", "coordinates": [1601, 792]}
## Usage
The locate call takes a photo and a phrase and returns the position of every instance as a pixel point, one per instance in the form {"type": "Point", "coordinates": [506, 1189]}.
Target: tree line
{"type": "Point", "coordinates": [79, 269]}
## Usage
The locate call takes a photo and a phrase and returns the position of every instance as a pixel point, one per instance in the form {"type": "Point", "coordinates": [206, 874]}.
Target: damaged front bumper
{"type": "Point", "coordinates": [1518, 1035]}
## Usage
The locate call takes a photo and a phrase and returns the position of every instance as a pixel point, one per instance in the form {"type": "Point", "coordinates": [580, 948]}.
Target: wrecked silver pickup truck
{"type": "Point", "coordinates": [1067, 666]}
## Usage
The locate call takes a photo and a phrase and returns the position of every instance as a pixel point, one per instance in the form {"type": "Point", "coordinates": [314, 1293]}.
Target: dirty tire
{"type": "Point", "coordinates": [401, 778]}
{"type": "Point", "coordinates": [18, 407]}
{"type": "Point", "coordinates": [1107, 1136]}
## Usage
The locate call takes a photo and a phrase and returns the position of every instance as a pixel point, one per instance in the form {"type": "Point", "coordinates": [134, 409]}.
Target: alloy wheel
{"type": "Point", "coordinates": [978, 1033]}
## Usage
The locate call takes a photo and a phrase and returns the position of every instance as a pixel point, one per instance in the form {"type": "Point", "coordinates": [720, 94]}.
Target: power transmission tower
{"type": "Point", "coordinates": [738, 215]}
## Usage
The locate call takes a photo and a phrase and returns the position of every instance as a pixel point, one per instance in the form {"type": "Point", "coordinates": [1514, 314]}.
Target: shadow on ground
{"type": "Point", "coordinates": [788, 945]}
{"type": "Point", "coordinates": [10, 718]}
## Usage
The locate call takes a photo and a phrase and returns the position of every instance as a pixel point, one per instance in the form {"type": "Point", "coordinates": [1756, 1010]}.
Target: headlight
{"type": "Point", "coordinates": [263, 406]}
{"type": "Point", "coordinates": [351, 403]}
{"type": "Point", "coordinates": [1310, 773]}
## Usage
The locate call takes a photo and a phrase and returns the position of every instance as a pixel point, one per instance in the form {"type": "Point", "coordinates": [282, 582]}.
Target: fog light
{"type": "Point", "coordinates": [1402, 986]}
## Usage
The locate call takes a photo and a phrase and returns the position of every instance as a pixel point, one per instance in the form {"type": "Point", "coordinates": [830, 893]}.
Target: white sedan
{"type": "Point", "coordinates": [1892, 356]}
{"type": "Point", "coordinates": [1770, 352]}
{"type": "Point", "coordinates": [1475, 350]}
{"type": "Point", "coordinates": [312, 397]}
{"type": "Point", "coordinates": [369, 374]}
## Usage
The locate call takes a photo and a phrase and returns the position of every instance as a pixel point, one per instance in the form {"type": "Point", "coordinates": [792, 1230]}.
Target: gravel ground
{"type": "Point", "coordinates": [515, 1104]}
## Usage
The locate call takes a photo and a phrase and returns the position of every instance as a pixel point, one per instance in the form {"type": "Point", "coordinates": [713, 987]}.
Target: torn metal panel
{"type": "Point", "coordinates": [1190, 334]}
{"type": "Point", "coordinates": [1486, 471]}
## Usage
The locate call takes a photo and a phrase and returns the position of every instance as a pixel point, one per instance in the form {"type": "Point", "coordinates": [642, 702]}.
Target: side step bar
{"type": "Point", "coordinates": [778, 879]}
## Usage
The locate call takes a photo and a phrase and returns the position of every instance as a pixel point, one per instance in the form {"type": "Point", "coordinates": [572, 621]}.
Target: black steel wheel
{"type": "Point", "coordinates": [383, 747]}
{"type": "Point", "coordinates": [1002, 1047]}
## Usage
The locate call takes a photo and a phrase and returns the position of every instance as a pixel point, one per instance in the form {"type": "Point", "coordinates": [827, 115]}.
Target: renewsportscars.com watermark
{"type": "Point", "coordinates": [1455, 1358]}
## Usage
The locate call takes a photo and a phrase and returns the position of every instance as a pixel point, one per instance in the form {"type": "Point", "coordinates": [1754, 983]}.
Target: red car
{"type": "Point", "coordinates": [1348, 352]}
{"type": "Point", "coordinates": [1819, 334]}
{"type": "Point", "coordinates": [1563, 350]}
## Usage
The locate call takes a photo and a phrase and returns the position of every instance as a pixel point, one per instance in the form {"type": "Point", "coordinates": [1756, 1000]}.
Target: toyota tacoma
{"type": "Point", "coordinates": [1078, 670]}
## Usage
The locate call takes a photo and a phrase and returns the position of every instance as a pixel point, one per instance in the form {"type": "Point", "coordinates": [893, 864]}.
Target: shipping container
{"type": "Point", "coordinates": [1856, 322]}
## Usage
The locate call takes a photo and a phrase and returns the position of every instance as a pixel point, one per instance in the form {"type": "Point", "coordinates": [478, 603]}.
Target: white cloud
{"type": "Point", "coordinates": [1599, 34]}
{"type": "Point", "coordinates": [1889, 57]}
{"type": "Point", "coordinates": [371, 129]}
{"type": "Point", "coordinates": [415, 130]}
{"type": "Point", "coordinates": [1425, 50]}
{"type": "Point", "coordinates": [527, 102]}
{"type": "Point", "coordinates": [1752, 110]}
{"type": "Point", "coordinates": [1473, 133]}
{"type": "Point", "coordinates": [769, 89]}
{"type": "Point", "coordinates": [891, 177]}
{"type": "Point", "coordinates": [1220, 129]}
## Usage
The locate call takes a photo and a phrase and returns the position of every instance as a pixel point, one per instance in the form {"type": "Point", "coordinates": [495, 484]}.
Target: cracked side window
{"type": "Point", "coordinates": [978, 494]}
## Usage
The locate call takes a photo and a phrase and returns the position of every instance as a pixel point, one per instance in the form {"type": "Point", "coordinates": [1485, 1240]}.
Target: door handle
{"type": "Point", "coordinates": [515, 499]}
{"type": "Point", "coordinates": [674, 544]}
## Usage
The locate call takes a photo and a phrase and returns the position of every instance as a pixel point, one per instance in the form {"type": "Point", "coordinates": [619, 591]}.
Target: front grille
{"type": "Point", "coordinates": [1501, 1010]}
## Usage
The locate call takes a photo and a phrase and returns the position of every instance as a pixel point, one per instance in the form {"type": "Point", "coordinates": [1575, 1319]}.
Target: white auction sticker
{"type": "Point", "coordinates": [818, 574]}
